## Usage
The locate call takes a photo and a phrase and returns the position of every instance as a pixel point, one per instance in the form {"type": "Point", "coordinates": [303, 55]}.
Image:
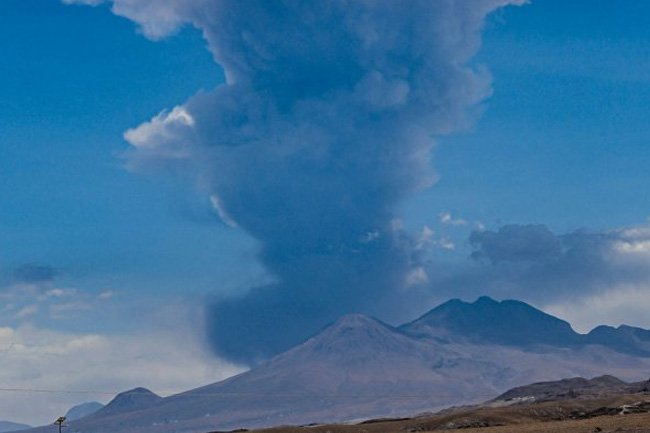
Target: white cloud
{"type": "Point", "coordinates": [446, 218]}
{"type": "Point", "coordinates": [51, 302]}
{"type": "Point", "coordinates": [56, 293]}
{"type": "Point", "coordinates": [26, 311]}
{"type": "Point", "coordinates": [216, 204]}
{"type": "Point", "coordinates": [161, 130]}
{"type": "Point", "coordinates": [424, 238]}
{"type": "Point", "coordinates": [106, 294]}
{"type": "Point", "coordinates": [168, 138]}
{"type": "Point", "coordinates": [36, 358]}
{"type": "Point", "coordinates": [633, 247]}
{"type": "Point", "coordinates": [640, 231]}
{"type": "Point", "coordinates": [166, 354]}
{"type": "Point", "coordinates": [620, 305]}
{"type": "Point", "coordinates": [370, 236]}
{"type": "Point", "coordinates": [416, 276]}
{"type": "Point", "coordinates": [446, 244]}
{"type": "Point", "coordinates": [157, 18]}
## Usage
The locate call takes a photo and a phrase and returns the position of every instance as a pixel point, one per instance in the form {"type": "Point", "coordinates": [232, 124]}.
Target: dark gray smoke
{"type": "Point", "coordinates": [533, 263]}
{"type": "Point", "coordinates": [326, 122]}
{"type": "Point", "coordinates": [34, 274]}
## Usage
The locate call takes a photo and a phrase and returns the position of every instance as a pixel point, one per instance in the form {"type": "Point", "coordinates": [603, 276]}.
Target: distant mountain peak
{"type": "Point", "coordinates": [82, 410]}
{"type": "Point", "coordinates": [139, 391]}
{"type": "Point", "coordinates": [625, 339]}
{"type": "Point", "coordinates": [353, 331]}
{"type": "Point", "coordinates": [357, 321]}
{"type": "Point", "coordinates": [486, 320]}
{"type": "Point", "coordinates": [133, 399]}
{"type": "Point", "coordinates": [353, 340]}
{"type": "Point", "coordinates": [485, 300]}
{"type": "Point", "coordinates": [516, 323]}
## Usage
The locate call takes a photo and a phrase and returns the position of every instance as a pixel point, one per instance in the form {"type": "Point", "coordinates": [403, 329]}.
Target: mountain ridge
{"type": "Point", "coordinates": [507, 322]}
{"type": "Point", "coordinates": [360, 367]}
{"type": "Point", "coordinates": [515, 323]}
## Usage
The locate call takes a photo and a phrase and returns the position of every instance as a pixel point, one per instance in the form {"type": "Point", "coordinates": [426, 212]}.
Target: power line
{"type": "Point", "coordinates": [59, 391]}
{"type": "Point", "coordinates": [236, 394]}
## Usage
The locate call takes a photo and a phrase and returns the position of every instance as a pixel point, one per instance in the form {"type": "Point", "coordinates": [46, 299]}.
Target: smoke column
{"type": "Point", "coordinates": [326, 122]}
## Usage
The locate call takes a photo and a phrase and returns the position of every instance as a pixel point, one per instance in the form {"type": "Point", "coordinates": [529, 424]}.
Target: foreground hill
{"type": "Point", "coordinates": [620, 414]}
{"type": "Point", "coordinates": [357, 368]}
{"type": "Point", "coordinates": [576, 405]}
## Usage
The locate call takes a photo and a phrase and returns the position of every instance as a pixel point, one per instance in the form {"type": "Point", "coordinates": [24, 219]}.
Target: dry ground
{"type": "Point", "coordinates": [550, 417]}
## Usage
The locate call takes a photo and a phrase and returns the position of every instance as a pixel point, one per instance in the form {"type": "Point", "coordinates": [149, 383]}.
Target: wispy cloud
{"type": "Point", "coordinates": [106, 294]}
{"type": "Point", "coordinates": [35, 294]}
{"type": "Point", "coordinates": [446, 218]}
{"type": "Point", "coordinates": [26, 311]}
{"type": "Point", "coordinates": [446, 244]}
{"type": "Point", "coordinates": [37, 358]}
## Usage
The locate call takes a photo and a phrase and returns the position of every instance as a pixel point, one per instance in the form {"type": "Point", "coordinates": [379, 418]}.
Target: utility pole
{"type": "Point", "coordinates": [60, 422]}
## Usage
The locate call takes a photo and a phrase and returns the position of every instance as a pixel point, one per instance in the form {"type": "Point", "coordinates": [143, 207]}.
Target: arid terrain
{"type": "Point", "coordinates": [577, 405]}
{"type": "Point", "coordinates": [548, 417]}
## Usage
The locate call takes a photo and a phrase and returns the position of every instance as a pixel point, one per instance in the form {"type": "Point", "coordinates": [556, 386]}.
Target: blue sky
{"type": "Point", "coordinates": [562, 141]}
{"type": "Point", "coordinates": [99, 237]}
{"type": "Point", "coordinates": [74, 79]}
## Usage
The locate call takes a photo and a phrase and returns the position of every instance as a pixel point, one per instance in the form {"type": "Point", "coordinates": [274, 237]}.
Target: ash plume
{"type": "Point", "coordinates": [325, 124]}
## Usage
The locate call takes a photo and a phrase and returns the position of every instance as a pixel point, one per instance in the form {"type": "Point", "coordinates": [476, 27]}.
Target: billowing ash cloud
{"type": "Point", "coordinates": [516, 243]}
{"type": "Point", "coordinates": [533, 263]}
{"type": "Point", "coordinates": [326, 122]}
